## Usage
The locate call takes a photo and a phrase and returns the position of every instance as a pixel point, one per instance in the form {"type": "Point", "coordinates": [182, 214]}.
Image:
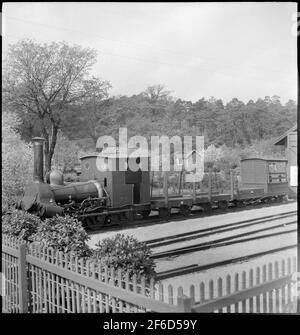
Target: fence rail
{"type": "Point", "coordinates": [268, 288]}
{"type": "Point", "coordinates": [42, 280]}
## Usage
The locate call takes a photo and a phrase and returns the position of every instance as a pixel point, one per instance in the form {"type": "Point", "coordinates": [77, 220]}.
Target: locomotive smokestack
{"type": "Point", "coordinates": [38, 164]}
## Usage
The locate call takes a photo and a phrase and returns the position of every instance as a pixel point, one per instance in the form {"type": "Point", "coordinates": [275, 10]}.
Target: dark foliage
{"type": "Point", "coordinates": [20, 224]}
{"type": "Point", "coordinates": [64, 233]}
{"type": "Point", "coordinates": [126, 252]}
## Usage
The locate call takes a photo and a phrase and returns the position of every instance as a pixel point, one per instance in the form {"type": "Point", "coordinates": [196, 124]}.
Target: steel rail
{"type": "Point", "coordinates": [221, 242]}
{"type": "Point", "coordinates": [197, 268]}
{"type": "Point", "coordinates": [215, 230]}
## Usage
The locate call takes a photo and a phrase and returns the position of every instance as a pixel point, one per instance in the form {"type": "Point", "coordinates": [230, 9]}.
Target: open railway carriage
{"type": "Point", "coordinates": [104, 197]}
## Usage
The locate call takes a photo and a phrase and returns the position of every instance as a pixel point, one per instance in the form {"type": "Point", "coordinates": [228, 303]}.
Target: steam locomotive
{"type": "Point", "coordinates": [103, 197]}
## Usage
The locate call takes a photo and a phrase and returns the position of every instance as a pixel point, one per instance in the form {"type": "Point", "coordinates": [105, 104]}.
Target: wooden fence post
{"type": "Point", "coordinates": [184, 303]}
{"type": "Point", "coordinates": [23, 292]}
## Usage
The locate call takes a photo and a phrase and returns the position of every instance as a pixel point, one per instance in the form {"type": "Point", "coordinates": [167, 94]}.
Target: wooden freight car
{"type": "Point", "coordinates": [263, 177]}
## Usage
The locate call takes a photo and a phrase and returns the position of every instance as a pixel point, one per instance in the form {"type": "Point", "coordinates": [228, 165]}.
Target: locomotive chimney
{"type": "Point", "coordinates": [38, 164]}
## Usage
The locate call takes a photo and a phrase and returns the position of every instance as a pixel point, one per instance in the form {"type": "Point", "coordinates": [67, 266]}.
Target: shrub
{"type": "Point", "coordinates": [126, 252]}
{"type": "Point", "coordinates": [20, 224]}
{"type": "Point", "coordinates": [17, 158]}
{"type": "Point", "coordinates": [64, 233]}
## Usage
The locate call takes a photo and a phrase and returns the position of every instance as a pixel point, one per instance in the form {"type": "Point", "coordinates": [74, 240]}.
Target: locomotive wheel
{"type": "Point", "coordinates": [164, 213]}
{"type": "Point", "coordinates": [89, 223]}
{"type": "Point", "coordinates": [84, 224]}
{"type": "Point", "coordinates": [185, 210]}
{"type": "Point", "coordinates": [108, 221]}
{"type": "Point", "coordinates": [223, 205]}
{"type": "Point", "coordinates": [99, 220]}
{"type": "Point", "coordinates": [145, 213]}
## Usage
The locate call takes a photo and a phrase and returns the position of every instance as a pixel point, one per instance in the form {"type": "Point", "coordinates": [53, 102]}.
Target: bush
{"type": "Point", "coordinates": [20, 224]}
{"type": "Point", "coordinates": [63, 233]}
{"type": "Point", "coordinates": [17, 158]}
{"type": "Point", "coordinates": [126, 252]}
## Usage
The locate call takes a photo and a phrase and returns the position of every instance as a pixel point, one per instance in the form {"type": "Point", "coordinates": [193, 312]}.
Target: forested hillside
{"type": "Point", "coordinates": [231, 131]}
{"type": "Point", "coordinates": [157, 112]}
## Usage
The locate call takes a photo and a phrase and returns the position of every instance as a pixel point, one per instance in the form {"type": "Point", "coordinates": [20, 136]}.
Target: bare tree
{"type": "Point", "coordinates": [156, 92]}
{"type": "Point", "coordinates": [158, 99]}
{"type": "Point", "coordinates": [42, 80]}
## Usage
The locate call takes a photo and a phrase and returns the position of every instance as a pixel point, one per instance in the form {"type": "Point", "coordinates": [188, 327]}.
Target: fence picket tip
{"type": "Point", "coordinates": [192, 294]}
{"type": "Point", "coordinates": [180, 291]}
{"type": "Point", "coordinates": [262, 281]}
{"type": "Point", "coordinates": [184, 304]}
{"type": "Point", "coordinates": [161, 291]}
{"type": "Point", "coordinates": [202, 291]}
{"type": "Point", "coordinates": [170, 295]}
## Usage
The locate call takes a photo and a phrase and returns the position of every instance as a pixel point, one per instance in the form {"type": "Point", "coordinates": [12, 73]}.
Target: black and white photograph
{"type": "Point", "coordinates": [149, 160]}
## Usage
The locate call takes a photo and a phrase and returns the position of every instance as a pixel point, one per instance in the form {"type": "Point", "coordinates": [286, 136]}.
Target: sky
{"type": "Point", "coordinates": [226, 50]}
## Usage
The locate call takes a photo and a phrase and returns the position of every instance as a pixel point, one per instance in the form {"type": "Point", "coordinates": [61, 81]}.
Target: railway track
{"type": "Point", "coordinates": [233, 239]}
{"type": "Point", "coordinates": [155, 219]}
{"type": "Point", "coordinates": [195, 234]}
{"type": "Point", "coordinates": [197, 268]}
{"type": "Point", "coordinates": [253, 235]}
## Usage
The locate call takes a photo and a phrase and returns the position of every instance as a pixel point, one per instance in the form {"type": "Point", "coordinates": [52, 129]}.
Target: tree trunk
{"type": "Point", "coordinates": [94, 139]}
{"type": "Point", "coordinates": [46, 150]}
{"type": "Point", "coordinates": [51, 147]}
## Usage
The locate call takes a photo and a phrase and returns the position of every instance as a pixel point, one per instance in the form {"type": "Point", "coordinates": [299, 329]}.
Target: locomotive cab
{"type": "Point", "coordinates": [125, 187]}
